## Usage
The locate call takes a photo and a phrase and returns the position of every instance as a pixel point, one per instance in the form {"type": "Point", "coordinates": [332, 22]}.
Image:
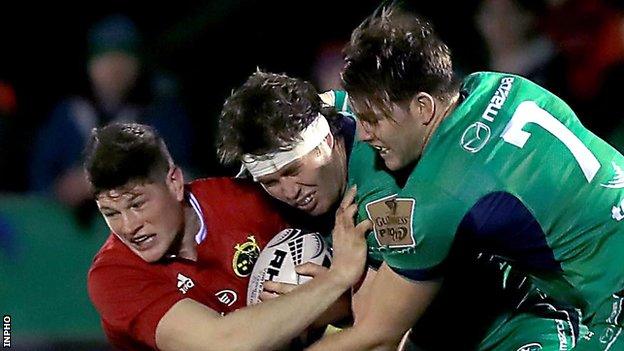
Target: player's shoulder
{"type": "Point", "coordinates": [486, 81]}
{"type": "Point", "coordinates": [115, 263]}
{"type": "Point", "coordinates": [224, 187]}
{"type": "Point", "coordinates": [231, 195]}
{"type": "Point", "coordinates": [112, 250]}
{"type": "Point", "coordinates": [114, 253]}
{"type": "Point", "coordinates": [485, 76]}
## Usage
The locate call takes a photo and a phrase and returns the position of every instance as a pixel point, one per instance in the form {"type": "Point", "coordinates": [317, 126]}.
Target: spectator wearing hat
{"type": "Point", "coordinates": [119, 91]}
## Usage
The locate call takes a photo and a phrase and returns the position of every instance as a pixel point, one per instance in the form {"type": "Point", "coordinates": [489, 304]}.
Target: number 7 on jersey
{"type": "Point", "coordinates": [528, 112]}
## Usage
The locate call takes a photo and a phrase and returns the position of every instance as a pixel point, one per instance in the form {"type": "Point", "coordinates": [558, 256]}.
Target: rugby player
{"type": "Point", "coordinates": [496, 163]}
{"type": "Point", "coordinates": [173, 273]}
{"type": "Point", "coordinates": [301, 148]}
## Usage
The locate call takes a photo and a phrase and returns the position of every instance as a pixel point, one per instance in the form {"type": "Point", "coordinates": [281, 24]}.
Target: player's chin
{"type": "Point", "coordinates": [152, 254]}
{"type": "Point", "coordinates": [395, 163]}
{"type": "Point", "coordinates": [392, 164]}
{"type": "Point", "coordinates": [151, 257]}
{"type": "Point", "coordinates": [320, 208]}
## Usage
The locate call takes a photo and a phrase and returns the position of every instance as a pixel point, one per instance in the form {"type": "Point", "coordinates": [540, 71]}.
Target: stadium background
{"type": "Point", "coordinates": [204, 49]}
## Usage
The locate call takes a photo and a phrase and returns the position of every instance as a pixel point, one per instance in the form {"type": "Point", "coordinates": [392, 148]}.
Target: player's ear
{"type": "Point", "coordinates": [325, 148]}
{"type": "Point", "coordinates": [329, 139]}
{"type": "Point", "coordinates": [422, 106]}
{"type": "Point", "coordinates": [175, 182]}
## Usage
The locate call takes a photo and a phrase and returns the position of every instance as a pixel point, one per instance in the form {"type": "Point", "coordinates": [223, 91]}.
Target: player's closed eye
{"type": "Point", "coordinates": [292, 172]}
{"type": "Point", "coordinates": [137, 205]}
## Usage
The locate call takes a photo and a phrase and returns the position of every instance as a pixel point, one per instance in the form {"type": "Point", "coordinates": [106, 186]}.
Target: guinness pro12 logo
{"type": "Point", "coordinates": [392, 221]}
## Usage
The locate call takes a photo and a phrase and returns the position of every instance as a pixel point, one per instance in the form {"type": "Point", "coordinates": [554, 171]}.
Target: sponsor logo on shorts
{"type": "Point", "coordinates": [475, 137]}
{"type": "Point", "coordinates": [610, 334]}
{"type": "Point", "coordinates": [561, 334]}
{"type": "Point", "coordinates": [227, 297]}
{"type": "Point", "coordinates": [245, 256]}
{"type": "Point", "coordinates": [534, 346]}
{"type": "Point", "coordinates": [392, 221]}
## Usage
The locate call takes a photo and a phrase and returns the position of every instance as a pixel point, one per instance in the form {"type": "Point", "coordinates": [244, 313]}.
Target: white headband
{"type": "Point", "coordinates": [310, 138]}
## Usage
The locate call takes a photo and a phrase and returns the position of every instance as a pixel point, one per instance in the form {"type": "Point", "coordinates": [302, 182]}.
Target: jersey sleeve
{"type": "Point", "coordinates": [131, 301]}
{"type": "Point", "coordinates": [416, 236]}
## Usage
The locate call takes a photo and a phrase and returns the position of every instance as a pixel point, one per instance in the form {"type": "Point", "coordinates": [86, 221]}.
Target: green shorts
{"type": "Point", "coordinates": [538, 325]}
{"type": "Point", "coordinates": [606, 327]}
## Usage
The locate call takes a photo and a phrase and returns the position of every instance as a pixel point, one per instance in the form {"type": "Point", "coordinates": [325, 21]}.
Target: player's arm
{"type": "Point", "coordinates": [339, 313]}
{"type": "Point", "coordinates": [351, 305]}
{"type": "Point", "coordinates": [395, 304]}
{"type": "Point", "coordinates": [189, 325]}
{"type": "Point", "coordinates": [361, 294]}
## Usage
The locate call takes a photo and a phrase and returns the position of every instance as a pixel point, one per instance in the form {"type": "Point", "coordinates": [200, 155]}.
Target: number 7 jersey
{"type": "Point", "coordinates": [512, 172]}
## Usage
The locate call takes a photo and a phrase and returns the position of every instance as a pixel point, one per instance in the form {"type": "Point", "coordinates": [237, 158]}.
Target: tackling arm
{"type": "Point", "coordinates": [361, 294]}
{"type": "Point", "coordinates": [191, 326]}
{"type": "Point", "coordinates": [395, 305]}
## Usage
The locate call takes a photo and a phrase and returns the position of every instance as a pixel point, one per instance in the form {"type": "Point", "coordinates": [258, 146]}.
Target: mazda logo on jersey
{"type": "Point", "coordinates": [245, 256]}
{"type": "Point", "coordinates": [475, 137]}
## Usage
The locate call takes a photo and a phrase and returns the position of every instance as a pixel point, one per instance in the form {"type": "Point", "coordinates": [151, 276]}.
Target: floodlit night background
{"type": "Point", "coordinates": [67, 67]}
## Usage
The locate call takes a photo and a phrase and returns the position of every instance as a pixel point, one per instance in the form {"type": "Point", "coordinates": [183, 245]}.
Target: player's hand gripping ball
{"type": "Point", "coordinates": [277, 261]}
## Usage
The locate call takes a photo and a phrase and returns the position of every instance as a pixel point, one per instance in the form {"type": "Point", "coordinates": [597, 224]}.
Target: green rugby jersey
{"type": "Point", "coordinates": [500, 326]}
{"type": "Point", "coordinates": [512, 172]}
{"type": "Point", "coordinates": [362, 163]}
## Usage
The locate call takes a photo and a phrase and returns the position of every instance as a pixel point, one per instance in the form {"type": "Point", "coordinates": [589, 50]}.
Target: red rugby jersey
{"type": "Point", "coordinates": [131, 295]}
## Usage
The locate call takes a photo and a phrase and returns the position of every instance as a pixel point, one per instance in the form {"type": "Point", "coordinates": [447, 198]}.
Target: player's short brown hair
{"type": "Point", "coordinates": [120, 153]}
{"type": "Point", "coordinates": [394, 55]}
{"type": "Point", "coordinates": [266, 114]}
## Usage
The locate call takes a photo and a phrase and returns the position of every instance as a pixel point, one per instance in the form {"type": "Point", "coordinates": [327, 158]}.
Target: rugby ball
{"type": "Point", "coordinates": [277, 261]}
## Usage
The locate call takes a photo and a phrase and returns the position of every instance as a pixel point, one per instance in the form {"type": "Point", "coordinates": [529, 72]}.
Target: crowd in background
{"type": "Point", "coordinates": [573, 47]}
{"type": "Point", "coordinates": [173, 68]}
{"type": "Point", "coordinates": [175, 76]}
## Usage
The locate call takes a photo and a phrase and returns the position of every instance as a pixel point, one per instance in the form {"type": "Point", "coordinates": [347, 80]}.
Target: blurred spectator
{"type": "Point", "coordinates": [11, 141]}
{"type": "Point", "coordinates": [327, 66]}
{"type": "Point", "coordinates": [590, 37]}
{"type": "Point", "coordinates": [119, 91]}
{"type": "Point", "coordinates": [512, 35]}
{"type": "Point", "coordinates": [575, 48]}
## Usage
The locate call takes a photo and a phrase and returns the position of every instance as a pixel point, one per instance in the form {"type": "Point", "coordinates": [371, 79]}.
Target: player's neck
{"type": "Point", "coordinates": [341, 153]}
{"type": "Point", "coordinates": [446, 108]}
{"type": "Point", "coordinates": [192, 224]}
